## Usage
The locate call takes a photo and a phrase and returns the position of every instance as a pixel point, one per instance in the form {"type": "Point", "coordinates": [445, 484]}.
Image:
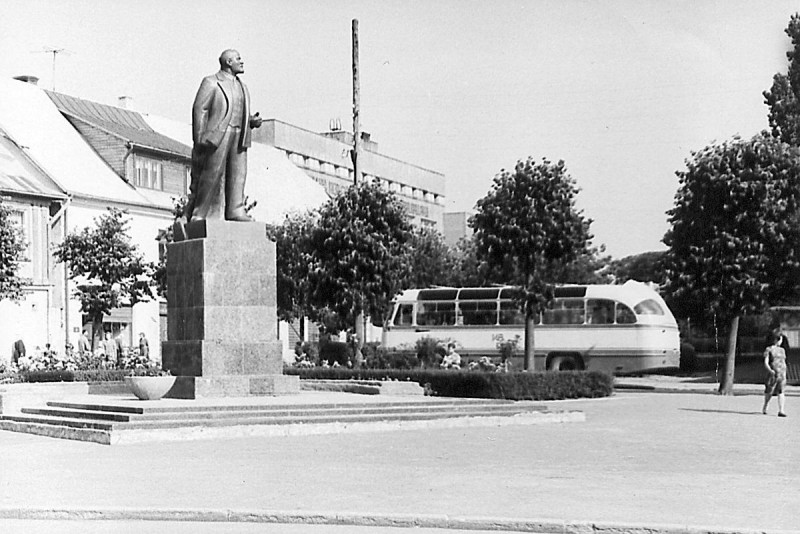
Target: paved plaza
{"type": "Point", "coordinates": [641, 459]}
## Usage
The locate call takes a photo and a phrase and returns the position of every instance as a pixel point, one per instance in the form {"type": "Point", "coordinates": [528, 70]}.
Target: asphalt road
{"type": "Point", "coordinates": [640, 459]}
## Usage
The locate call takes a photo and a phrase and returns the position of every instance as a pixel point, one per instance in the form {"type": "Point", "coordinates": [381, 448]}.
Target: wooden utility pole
{"type": "Point", "coordinates": [356, 108]}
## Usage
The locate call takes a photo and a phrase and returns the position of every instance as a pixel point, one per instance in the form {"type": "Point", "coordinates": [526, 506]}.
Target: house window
{"type": "Point", "coordinates": [17, 218]}
{"type": "Point", "coordinates": [148, 173]}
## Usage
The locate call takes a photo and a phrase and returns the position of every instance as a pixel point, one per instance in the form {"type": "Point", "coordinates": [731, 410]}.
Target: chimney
{"type": "Point", "coordinates": [27, 78]}
{"type": "Point", "coordinates": [125, 102]}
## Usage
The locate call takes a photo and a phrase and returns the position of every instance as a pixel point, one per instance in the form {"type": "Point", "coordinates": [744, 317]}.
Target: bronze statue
{"type": "Point", "coordinates": [221, 124]}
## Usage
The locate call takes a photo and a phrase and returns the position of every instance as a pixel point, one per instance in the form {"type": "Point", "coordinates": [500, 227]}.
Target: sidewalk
{"type": "Point", "coordinates": [641, 461]}
{"type": "Point", "coordinates": [691, 384]}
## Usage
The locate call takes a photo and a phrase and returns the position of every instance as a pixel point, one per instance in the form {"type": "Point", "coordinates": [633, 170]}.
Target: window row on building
{"type": "Point", "coordinates": [345, 173]}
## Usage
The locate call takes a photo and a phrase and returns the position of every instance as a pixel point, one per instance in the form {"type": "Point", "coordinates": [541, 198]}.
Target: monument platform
{"type": "Point", "coordinates": [115, 419]}
{"type": "Point", "coordinates": [222, 316]}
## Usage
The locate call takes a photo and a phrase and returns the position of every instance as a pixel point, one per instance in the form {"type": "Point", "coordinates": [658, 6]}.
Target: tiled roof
{"type": "Point", "coordinates": [124, 123]}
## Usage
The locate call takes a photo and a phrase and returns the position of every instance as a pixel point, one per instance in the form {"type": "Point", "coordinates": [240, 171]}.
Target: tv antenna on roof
{"type": "Point", "coordinates": [55, 52]}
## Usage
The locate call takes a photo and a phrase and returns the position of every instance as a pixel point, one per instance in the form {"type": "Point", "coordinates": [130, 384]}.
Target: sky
{"type": "Point", "coordinates": [622, 90]}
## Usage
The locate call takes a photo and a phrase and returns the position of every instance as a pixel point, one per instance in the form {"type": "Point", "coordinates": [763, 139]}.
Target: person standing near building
{"type": "Point", "coordinates": [775, 362]}
{"type": "Point", "coordinates": [144, 347]}
{"type": "Point", "coordinates": [17, 351]}
{"type": "Point", "coordinates": [84, 347]}
{"type": "Point", "coordinates": [111, 348]}
{"type": "Point", "coordinates": [221, 134]}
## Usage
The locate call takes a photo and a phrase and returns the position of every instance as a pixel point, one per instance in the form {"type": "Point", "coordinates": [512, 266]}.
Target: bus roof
{"type": "Point", "coordinates": [630, 293]}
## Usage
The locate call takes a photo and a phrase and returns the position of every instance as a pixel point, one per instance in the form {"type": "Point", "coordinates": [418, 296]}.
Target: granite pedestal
{"type": "Point", "coordinates": [222, 313]}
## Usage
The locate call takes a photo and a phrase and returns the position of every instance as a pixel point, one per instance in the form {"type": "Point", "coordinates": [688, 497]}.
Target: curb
{"type": "Point", "coordinates": [498, 524]}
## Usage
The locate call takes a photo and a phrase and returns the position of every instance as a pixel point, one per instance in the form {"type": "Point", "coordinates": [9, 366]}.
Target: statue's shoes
{"type": "Point", "coordinates": [240, 218]}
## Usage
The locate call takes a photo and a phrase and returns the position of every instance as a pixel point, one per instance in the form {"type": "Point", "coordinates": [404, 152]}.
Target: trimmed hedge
{"type": "Point", "coordinates": [524, 386]}
{"type": "Point", "coordinates": [90, 375]}
{"type": "Point", "coordinates": [346, 373]}
{"type": "Point", "coordinates": [46, 376]}
{"type": "Point", "coordinates": [473, 384]}
{"type": "Point", "coordinates": [102, 375]}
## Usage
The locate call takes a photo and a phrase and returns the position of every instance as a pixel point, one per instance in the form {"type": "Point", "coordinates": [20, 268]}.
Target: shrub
{"type": "Point", "coordinates": [508, 348]}
{"type": "Point", "coordinates": [376, 357]}
{"type": "Point", "coordinates": [335, 351]}
{"type": "Point", "coordinates": [46, 376]}
{"type": "Point", "coordinates": [101, 375]}
{"type": "Point", "coordinates": [523, 386]}
{"type": "Point", "coordinates": [429, 351]}
{"type": "Point", "coordinates": [474, 384]}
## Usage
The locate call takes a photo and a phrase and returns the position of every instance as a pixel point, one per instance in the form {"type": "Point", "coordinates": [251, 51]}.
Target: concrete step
{"type": "Point", "coordinates": [126, 414]}
{"type": "Point", "coordinates": [107, 422]}
{"type": "Point", "coordinates": [189, 406]}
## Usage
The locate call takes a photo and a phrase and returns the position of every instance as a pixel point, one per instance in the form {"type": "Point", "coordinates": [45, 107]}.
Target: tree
{"type": "Point", "coordinates": [432, 261]}
{"type": "Point", "coordinates": [292, 259]}
{"type": "Point", "coordinates": [470, 271]}
{"type": "Point", "coordinates": [11, 248]}
{"type": "Point", "coordinates": [107, 267]}
{"type": "Point", "coordinates": [357, 253]}
{"type": "Point", "coordinates": [644, 267]}
{"type": "Point", "coordinates": [783, 98]}
{"type": "Point", "coordinates": [528, 231]}
{"type": "Point", "coordinates": [165, 237]}
{"type": "Point", "coordinates": [734, 241]}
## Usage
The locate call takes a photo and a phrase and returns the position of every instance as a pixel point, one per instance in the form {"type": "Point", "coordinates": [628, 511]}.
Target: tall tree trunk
{"type": "Point", "coordinates": [361, 333]}
{"type": "Point", "coordinates": [529, 344]}
{"type": "Point", "coordinates": [97, 331]}
{"type": "Point", "coordinates": [726, 383]}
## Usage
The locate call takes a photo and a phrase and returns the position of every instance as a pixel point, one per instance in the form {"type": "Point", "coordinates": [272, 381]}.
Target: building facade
{"type": "Point", "coordinates": [326, 158]}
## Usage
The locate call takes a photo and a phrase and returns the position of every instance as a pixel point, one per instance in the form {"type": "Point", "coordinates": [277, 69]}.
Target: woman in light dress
{"type": "Point", "coordinates": [775, 362]}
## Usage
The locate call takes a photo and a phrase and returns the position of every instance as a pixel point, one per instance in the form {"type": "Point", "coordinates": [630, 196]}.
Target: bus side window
{"type": "Point", "coordinates": [478, 312]}
{"type": "Point", "coordinates": [565, 311]}
{"type": "Point", "coordinates": [405, 315]}
{"type": "Point", "coordinates": [600, 311]}
{"type": "Point", "coordinates": [447, 313]}
{"type": "Point", "coordinates": [423, 314]}
{"type": "Point", "coordinates": [624, 314]}
{"type": "Point", "coordinates": [511, 314]}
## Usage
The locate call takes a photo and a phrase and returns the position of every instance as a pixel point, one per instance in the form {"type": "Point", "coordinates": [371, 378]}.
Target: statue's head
{"type": "Point", "coordinates": [231, 61]}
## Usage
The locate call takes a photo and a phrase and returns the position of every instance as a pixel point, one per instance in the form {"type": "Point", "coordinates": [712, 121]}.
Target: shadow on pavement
{"type": "Point", "coordinates": [719, 411]}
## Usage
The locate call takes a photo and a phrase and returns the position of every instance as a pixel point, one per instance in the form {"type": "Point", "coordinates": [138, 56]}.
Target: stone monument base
{"type": "Point", "coordinates": [222, 313]}
{"type": "Point", "coordinates": [198, 387]}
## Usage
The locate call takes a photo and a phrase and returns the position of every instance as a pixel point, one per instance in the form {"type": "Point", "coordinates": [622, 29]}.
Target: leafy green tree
{"type": "Point", "coordinates": [166, 236]}
{"type": "Point", "coordinates": [11, 249]}
{"type": "Point", "coordinates": [644, 267]}
{"type": "Point", "coordinates": [470, 271]}
{"type": "Point", "coordinates": [432, 261]}
{"type": "Point", "coordinates": [783, 98]}
{"type": "Point", "coordinates": [734, 241]}
{"type": "Point", "coordinates": [107, 267]}
{"type": "Point", "coordinates": [528, 231]}
{"type": "Point", "coordinates": [293, 258]}
{"type": "Point", "coordinates": [357, 253]}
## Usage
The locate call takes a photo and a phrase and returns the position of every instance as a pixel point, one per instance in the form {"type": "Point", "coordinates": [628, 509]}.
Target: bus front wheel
{"type": "Point", "coordinates": [563, 363]}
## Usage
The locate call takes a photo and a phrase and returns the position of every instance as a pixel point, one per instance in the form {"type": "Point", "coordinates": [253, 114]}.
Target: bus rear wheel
{"type": "Point", "coordinates": [563, 363]}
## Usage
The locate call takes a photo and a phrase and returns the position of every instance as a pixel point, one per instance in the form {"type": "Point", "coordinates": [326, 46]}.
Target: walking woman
{"type": "Point", "coordinates": [775, 362]}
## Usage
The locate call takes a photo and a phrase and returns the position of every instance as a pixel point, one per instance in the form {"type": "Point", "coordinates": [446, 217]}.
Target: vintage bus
{"type": "Point", "coordinates": [615, 328]}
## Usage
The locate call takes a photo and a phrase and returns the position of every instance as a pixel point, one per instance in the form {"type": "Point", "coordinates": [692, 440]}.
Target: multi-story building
{"type": "Point", "coordinates": [326, 157]}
